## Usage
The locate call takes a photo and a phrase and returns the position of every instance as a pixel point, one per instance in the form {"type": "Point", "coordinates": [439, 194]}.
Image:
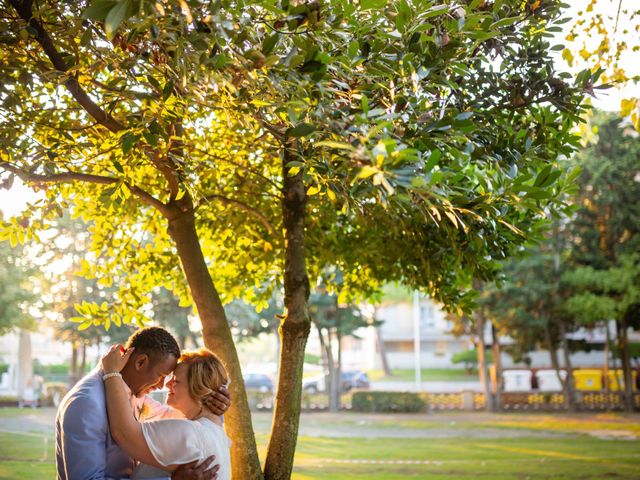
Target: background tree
{"type": "Point", "coordinates": [604, 262]}
{"type": "Point", "coordinates": [17, 290]}
{"type": "Point", "coordinates": [334, 321]}
{"type": "Point", "coordinates": [469, 358]}
{"type": "Point", "coordinates": [257, 144]}
{"type": "Point", "coordinates": [168, 312]}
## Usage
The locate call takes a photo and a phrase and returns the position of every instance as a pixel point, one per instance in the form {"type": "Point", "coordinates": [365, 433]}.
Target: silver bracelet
{"type": "Point", "coordinates": [112, 374]}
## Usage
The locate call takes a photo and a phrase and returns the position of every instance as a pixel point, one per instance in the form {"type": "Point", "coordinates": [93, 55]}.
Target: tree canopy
{"type": "Point", "coordinates": [246, 147]}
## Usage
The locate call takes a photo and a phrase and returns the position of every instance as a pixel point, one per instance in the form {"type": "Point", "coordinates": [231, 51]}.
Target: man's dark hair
{"type": "Point", "coordinates": [154, 341]}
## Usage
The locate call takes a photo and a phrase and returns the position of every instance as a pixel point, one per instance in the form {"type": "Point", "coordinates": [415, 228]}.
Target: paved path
{"type": "Point", "coordinates": [422, 425]}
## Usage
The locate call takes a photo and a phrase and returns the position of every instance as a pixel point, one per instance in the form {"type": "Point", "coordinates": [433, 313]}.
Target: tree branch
{"type": "Point", "coordinates": [67, 177]}
{"type": "Point", "coordinates": [247, 208]}
{"type": "Point", "coordinates": [24, 9]}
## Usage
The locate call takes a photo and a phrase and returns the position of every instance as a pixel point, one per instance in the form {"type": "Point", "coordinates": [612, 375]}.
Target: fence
{"type": "Point", "coordinates": [510, 401]}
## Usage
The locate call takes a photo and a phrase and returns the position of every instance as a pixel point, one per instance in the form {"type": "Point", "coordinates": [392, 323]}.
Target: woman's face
{"type": "Point", "coordinates": [179, 397]}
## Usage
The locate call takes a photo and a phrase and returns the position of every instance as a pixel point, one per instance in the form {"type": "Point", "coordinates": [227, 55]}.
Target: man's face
{"type": "Point", "coordinates": [149, 372]}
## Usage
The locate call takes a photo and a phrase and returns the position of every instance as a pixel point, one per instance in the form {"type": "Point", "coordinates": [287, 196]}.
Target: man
{"type": "Point", "coordinates": [84, 447]}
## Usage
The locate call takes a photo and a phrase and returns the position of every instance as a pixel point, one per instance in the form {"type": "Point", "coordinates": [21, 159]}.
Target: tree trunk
{"type": "Point", "coordinates": [553, 354]}
{"type": "Point", "coordinates": [626, 367]}
{"type": "Point", "coordinates": [73, 367]}
{"type": "Point", "coordinates": [217, 336]}
{"type": "Point", "coordinates": [497, 364]}
{"type": "Point", "coordinates": [569, 387]}
{"type": "Point", "coordinates": [336, 384]}
{"type": "Point", "coordinates": [607, 387]}
{"type": "Point", "coordinates": [483, 373]}
{"type": "Point", "coordinates": [294, 329]}
{"type": "Point", "coordinates": [383, 353]}
{"type": "Point", "coordinates": [24, 374]}
{"type": "Point", "coordinates": [83, 360]}
{"type": "Point", "coordinates": [327, 353]}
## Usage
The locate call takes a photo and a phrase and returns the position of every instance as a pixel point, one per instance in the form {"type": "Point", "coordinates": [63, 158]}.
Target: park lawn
{"type": "Point", "coordinates": [533, 458]}
{"type": "Point", "coordinates": [427, 375]}
{"type": "Point", "coordinates": [582, 457]}
{"type": "Point", "coordinates": [566, 453]}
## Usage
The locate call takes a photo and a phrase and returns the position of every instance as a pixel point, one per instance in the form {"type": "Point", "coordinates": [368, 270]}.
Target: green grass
{"type": "Point", "coordinates": [464, 458]}
{"type": "Point", "coordinates": [567, 452]}
{"type": "Point", "coordinates": [427, 375]}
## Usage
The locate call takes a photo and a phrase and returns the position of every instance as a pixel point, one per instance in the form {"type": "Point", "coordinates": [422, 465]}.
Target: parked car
{"type": "Point", "coordinates": [348, 379]}
{"type": "Point", "coordinates": [353, 379]}
{"type": "Point", "coordinates": [258, 381]}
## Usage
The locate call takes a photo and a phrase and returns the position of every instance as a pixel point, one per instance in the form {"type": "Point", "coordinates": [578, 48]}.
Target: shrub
{"type": "Point", "coordinates": [404, 402]}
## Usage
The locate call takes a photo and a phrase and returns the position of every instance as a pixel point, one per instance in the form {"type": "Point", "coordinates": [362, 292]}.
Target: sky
{"type": "Point", "coordinates": [13, 201]}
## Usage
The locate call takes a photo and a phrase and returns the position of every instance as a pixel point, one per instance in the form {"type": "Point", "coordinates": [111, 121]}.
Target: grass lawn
{"type": "Point", "coordinates": [427, 375]}
{"type": "Point", "coordinates": [352, 446]}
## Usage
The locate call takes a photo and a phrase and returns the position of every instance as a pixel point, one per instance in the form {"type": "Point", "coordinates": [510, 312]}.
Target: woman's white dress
{"type": "Point", "coordinates": [178, 441]}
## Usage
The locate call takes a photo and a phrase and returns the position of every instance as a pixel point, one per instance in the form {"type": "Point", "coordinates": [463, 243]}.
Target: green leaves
{"type": "Point", "coordinates": [99, 9]}
{"type": "Point", "coordinates": [547, 177]}
{"type": "Point", "coordinates": [116, 16]}
{"type": "Point", "coordinates": [110, 12]}
{"type": "Point", "coordinates": [269, 43]}
{"type": "Point", "coordinates": [301, 130]}
{"type": "Point", "coordinates": [128, 142]}
{"type": "Point", "coordinates": [372, 4]}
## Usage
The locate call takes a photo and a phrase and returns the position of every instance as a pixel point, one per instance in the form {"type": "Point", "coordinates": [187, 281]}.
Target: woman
{"type": "Point", "coordinates": [162, 445]}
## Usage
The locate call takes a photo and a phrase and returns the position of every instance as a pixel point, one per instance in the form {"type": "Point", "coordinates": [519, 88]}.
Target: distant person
{"type": "Point", "coordinates": [85, 449]}
{"type": "Point", "coordinates": [163, 444]}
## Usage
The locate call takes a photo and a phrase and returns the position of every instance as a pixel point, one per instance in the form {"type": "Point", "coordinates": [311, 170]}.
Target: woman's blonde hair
{"type": "Point", "coordinates": [205, 374]}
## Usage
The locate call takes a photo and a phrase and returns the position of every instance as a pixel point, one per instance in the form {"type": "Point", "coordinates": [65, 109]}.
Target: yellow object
{"type": "Point", "coordinates": [616, 380]}
{"type": "Point", "coordinates": [589, 380]}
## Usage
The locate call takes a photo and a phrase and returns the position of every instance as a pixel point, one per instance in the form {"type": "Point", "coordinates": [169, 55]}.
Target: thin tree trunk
{"type": "Point", "coordinates": [555, 362]}
{"type": "Point", "coordinates": [294, 329]}
{"type": "Point", "coordinates": [497, 363]}
{"type": "Point", "coordinates": [73, 368]}
{"type": "Point", "coordinates": [383, 353]}
{"type": "Point", "coordinates": [607, 387]}
{"type": "Point", "coordinates": [626, 367]}
{"type": "Point", "coordinates": [336, 386]}
{"type": "Point", "coordinates": [570, 396]}
{"type": "Point", "coordinates": [483, 373]}
{"type": "Point", "coordinates": [83, 360]}
{"type": "Point", "coordinates": [217, 336]}
{"type": "Point", "coordinates": [327, 353]}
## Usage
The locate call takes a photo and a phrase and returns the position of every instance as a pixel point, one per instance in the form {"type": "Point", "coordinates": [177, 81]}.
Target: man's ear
{"type": "Point", "coordinates": [141, 361]}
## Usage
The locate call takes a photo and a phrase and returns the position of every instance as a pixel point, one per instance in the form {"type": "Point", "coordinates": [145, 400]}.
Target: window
{"type": "Point", "coordinates": [441, 347]}
{"type": "Point", "coordinates": [427, 317]}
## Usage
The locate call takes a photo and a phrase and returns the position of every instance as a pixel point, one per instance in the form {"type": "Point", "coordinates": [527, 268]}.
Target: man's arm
{"type": "Point", "coordinates": [84, 439]}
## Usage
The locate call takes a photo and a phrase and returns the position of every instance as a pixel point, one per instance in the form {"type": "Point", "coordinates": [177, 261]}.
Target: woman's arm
{"type": "Point", "coordinates": [125, 429]}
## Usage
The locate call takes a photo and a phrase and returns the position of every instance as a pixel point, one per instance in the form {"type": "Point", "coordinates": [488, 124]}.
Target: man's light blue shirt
{"type": "Point", "coordinates": [84, 447]}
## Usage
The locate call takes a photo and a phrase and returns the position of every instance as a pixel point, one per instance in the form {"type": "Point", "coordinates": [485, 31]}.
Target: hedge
{"type": "Point", "coordinates": [403, 402]}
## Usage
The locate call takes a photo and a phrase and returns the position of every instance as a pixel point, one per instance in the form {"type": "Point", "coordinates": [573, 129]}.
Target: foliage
{"type": "Point", "coordinates": [381, 402]}
{"type": "Point", "coordinates": [17, 292]}
{"type": "Point", "coordinates": [605, 233]}
{"type": "Point", "coordinates": [405, 141]}
{"type": "Point", "coordinates": [469, 358]}
{"type": "Point", "coordinates": [382, 94]}
{"type": "Point", "coordinates": [604, 35]}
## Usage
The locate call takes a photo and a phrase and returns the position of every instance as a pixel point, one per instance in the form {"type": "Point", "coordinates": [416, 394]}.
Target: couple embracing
{"type": "Point", "coordinates": [107, 428]}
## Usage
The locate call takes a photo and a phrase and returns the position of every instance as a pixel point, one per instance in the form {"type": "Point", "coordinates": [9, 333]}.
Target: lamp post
{"type": "Point", "coordinates": [416, 338]}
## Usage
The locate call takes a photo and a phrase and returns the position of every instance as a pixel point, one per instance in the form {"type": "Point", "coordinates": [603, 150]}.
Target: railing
{"type": "Point", "coordinates": [475, 401]}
